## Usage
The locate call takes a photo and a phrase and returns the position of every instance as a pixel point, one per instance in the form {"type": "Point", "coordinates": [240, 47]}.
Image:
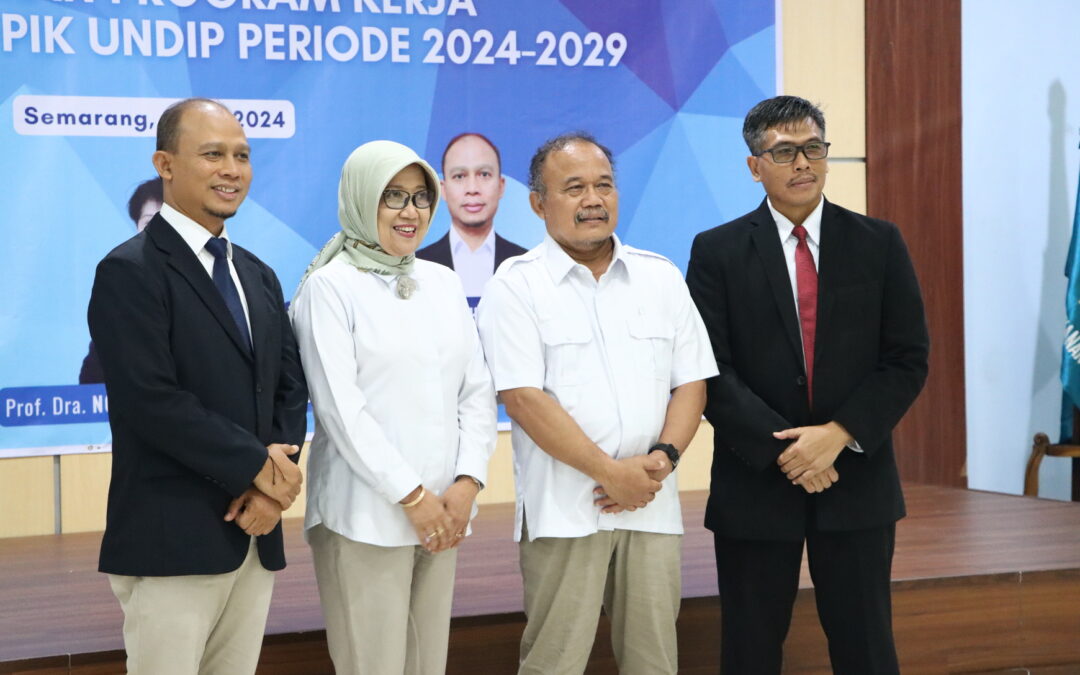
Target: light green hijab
{"type": "Point", "coordinates": [365, 175]}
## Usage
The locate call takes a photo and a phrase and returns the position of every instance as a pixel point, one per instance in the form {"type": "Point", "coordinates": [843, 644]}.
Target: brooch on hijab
{"type": "Point", "coordinates": [406, 286]}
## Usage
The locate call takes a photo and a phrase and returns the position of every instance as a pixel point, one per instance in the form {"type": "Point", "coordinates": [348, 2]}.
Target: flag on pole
{"type": "Point", "coordinates": [1070, 356]}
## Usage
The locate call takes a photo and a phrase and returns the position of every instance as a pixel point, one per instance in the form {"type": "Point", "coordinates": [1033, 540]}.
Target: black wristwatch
{"type": "Point", "coordinates": [669, 450]}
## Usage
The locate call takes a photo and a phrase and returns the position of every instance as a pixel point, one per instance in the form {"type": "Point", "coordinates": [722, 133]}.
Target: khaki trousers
{"type": "Point", "coordinates": [200, 624]}
{"type": "Point", "coordinates": [387, 608]}
{"type": "Point", "coordinates": [636, 576]}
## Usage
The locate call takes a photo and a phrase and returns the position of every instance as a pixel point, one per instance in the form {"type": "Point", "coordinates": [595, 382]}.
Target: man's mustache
{"type": "Point", "coordinates": [590, 213]}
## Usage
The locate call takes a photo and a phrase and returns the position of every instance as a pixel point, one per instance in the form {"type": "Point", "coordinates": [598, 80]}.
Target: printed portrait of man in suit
{"type": "Point", "coordinates": [472, 186]}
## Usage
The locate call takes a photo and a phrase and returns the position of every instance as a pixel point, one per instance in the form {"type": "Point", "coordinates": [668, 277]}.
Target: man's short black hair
{"type": "Point", "coordinates": [560, 142]}
{"type": "Point", "coordinates": [147, 191]}
{"type": "Point", "coordinates": [168, 127]}
{"type": "Point", "coordinates": [455, 139]}
{"type": "Point", "coordinates": [780, 111]}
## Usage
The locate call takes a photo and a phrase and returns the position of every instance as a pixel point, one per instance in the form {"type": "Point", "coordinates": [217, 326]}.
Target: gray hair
{"type": "Point", "coordinates": [560, 142]}
{"type": "Point", "coordinates": [780, 111]}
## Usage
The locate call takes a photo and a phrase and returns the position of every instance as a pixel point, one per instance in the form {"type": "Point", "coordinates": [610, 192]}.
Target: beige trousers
{"type": "Point", "coordinates": [636, 576]}
{"type": "Point", "coordinates": [200, 624]}
{"type": "Point", "coordinates": [387, 608]}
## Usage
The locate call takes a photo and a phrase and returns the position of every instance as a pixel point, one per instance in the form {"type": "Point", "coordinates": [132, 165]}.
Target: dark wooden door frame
{"type": "Point", "coordinates": [914, 179]}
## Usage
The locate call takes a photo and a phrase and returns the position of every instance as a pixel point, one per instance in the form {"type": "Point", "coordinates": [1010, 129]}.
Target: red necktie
{"type": "Point", "coordinates": [806, 280]}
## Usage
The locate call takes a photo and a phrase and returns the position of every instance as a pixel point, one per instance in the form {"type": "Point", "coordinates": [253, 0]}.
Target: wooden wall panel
{"type": "Point", "coordinates": [26, 497]}
{"type": "Point", "coordinates": [913, 178]}
{"type": "Point", "coordinates": [846, 185]}
{"type": "Point", "coordinates": [695, 466]}
{"type": "Point", "coordinates": [822, 45]}
{"type": "Point", "coordinates": [84, 487]}
{"type": "Point", "coordinates": [84, 491]}
{"type": "Point", "coordinates": [1051, 626]}
{"type": "Point", "coordinates": [84, 481]}
{"type": "Point", "coordinates": [500, 483]}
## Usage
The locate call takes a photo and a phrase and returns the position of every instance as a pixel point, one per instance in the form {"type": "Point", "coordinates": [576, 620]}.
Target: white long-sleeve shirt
{"type": "Point", "coordinates": [401, 393]}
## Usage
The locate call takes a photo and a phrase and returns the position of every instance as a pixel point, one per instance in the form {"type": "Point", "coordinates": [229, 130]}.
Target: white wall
{"type": "Point", "coordinates": [1021, 107]}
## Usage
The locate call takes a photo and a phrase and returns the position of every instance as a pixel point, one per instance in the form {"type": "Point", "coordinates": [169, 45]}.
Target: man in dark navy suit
{"type": "Point", "coordinates": [207, 402]}
{"type": "Point", "coordinates": [819, 334]}
{"type": "Point", "coordinates": [472, 186]}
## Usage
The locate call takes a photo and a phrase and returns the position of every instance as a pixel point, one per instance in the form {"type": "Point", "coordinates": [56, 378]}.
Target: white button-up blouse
{"type": "Point", "coordinates": [401, 393]}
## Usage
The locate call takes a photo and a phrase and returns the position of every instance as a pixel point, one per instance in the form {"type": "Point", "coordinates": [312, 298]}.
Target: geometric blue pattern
{"type": "Point", "coordinates": [671, 111]}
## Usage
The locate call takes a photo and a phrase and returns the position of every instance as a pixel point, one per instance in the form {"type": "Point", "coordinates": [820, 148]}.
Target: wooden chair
{"type": "Point", "coordinates": [1041, 448]}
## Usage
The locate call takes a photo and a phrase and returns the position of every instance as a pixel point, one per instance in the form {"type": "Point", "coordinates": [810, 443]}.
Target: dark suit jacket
{"type": "Point", "coordinates": [440, 251]}
{"type": "Point", "coordinates": [191, 408]}
{"type": "Point", "coordinates": [870, 362]}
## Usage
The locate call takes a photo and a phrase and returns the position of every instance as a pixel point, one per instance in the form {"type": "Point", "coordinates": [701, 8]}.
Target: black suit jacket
{"type": "Point", "coordinates": [191, 407]}
{"type": "Point", "coordinates": [870, 362]}
{"type": "Point", "coordinates": [440, 251]}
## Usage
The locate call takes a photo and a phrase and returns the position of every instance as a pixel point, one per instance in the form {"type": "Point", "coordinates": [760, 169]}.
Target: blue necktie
{"type": "Point", "coordinates": [223, 280]}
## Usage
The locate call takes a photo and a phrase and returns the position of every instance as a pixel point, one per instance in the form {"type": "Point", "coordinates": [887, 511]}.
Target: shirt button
{"type": "Point", "coordinates": [800, 380]}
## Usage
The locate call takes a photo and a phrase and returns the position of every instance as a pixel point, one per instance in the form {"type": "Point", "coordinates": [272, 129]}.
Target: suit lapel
{"type": "Point", "coordinates": [767, 242]}
{"type": "Point", "coordinates": [830, 253]}
{"type": "Point", "coordinates": [183, 260]}
{"type": "Point", "coordinates": [258, 310]}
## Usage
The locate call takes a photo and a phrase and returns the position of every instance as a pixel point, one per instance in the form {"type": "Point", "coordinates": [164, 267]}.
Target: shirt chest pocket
{"type": "Point", "coordinates": [652, 339]}
{"type": "Point", "coordinates": [566, 343]}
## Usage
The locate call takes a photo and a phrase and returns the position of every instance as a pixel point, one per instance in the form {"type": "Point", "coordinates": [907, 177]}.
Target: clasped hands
{"type": "Point", "coordinates": [808, 461]}
{"type": "Point", "coordinates": [631, 483]}
{"type": "Point", "coordinates": [258, 510]}
{"type": "Point", "coordinates": [440, 522]}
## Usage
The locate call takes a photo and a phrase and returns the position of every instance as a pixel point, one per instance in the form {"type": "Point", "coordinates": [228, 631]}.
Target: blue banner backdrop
{"type": "Point", "coordinates": [664, 84]}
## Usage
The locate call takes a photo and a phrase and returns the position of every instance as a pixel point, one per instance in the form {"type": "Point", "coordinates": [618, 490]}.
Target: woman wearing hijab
{"type": "Point", "coordinates": [404, 419]}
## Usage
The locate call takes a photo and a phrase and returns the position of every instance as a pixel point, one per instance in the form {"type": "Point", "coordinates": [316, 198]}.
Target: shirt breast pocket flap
{"type": "Point", "coordinates": [654, 340]}
{"type": "Point", "coordinates": [565, 342]}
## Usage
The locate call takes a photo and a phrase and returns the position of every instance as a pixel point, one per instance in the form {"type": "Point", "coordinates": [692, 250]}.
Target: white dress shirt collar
{"type": "Point", "coordinates": [559, 262]}
{"type": "Point", "coordinates": [812, 223]}
{"type": "Point", "coordinates": [194, 234]}
{"type": "Point", "coordinates": [456, 242]}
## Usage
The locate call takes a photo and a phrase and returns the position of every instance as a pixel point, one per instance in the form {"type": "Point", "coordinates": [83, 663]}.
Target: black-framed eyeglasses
{"type": "Point", "coordinates": [786, 154]}
{"type": "Point", "coordinates": [399, 199]}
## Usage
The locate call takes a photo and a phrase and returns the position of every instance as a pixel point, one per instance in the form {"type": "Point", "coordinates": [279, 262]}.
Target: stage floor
{"type": "Point", "coordinates": [983, 582]}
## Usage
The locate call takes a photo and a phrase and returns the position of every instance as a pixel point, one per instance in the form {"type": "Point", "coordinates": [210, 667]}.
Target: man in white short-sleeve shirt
{"type": "Point", "coordinates": [600, 357]}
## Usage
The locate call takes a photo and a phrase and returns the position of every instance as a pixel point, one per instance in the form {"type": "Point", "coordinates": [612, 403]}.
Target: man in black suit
{"type": "Point", "coordinates": [472, 186]}
{"type": "Point", "coordinates": [817, 325]}
{"type": "Point", "coordinates": [207, 400]}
